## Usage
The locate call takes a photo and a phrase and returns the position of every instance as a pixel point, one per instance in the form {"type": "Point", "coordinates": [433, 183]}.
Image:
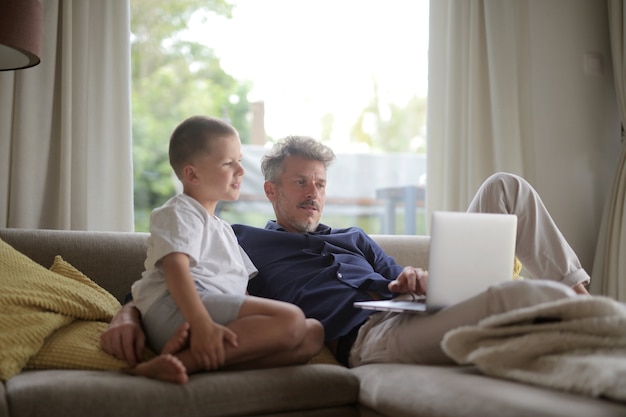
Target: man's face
{"type": "Point", "coordinates": [299, 196]}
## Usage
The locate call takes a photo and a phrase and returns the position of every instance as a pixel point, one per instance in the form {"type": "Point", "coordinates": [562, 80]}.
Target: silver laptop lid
{"type": "Point", "coordinates": [468, 253]}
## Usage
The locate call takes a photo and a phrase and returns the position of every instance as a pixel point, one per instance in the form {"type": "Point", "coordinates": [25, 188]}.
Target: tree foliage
{"type": "Point", "coordinates": [174, 77]}
{"type": "Point", "coordinates": [389, 127]}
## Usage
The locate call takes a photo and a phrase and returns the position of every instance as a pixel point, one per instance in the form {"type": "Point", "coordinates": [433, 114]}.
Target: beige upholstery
{"type": "Point", "coordinates": [430, 391]}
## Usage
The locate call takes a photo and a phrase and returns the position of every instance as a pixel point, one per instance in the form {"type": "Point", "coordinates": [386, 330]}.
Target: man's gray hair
{"type": "Point", "coordinates": [302, 146]}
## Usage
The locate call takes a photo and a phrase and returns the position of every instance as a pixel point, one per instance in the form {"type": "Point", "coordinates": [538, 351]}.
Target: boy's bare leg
{"type": "Point", "coordinates": [272, 333]}
{"type": "Point", "coordinates": [269, 334]}
{"type": "Point", "coordinates": [310, 346]}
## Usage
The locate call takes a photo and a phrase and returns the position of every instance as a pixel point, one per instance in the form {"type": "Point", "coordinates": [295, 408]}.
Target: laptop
{"type": "Point", "coordinates": [468, 253]}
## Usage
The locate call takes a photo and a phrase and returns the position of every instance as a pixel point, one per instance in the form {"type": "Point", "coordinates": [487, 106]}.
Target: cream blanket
{"type": "Point", "coordinates": [576, 344]}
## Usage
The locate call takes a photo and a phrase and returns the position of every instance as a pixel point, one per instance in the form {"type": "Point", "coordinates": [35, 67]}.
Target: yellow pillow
{"type": "Point", "coordinates": [77, 345]}
{"type": "Point", "coordinates": [35, 302]}
{"type": "Point", "coordinates": [517, 268]}
{"type": "Point", "coordinates": [67, 270]}
{"type": "Point", "coordinates": [325, 356]}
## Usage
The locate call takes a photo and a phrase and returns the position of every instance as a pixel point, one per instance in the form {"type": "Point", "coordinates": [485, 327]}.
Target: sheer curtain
{"type": "Point", "coordinates": [65, 125]}
{"type": "Point", "coordinates": [478, 107]}
{"type": "Point", "coordinates": [609, 268]}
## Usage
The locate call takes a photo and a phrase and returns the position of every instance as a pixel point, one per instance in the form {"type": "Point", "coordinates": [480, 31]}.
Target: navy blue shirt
{"type": "Point", "coordinates": [322, 272]}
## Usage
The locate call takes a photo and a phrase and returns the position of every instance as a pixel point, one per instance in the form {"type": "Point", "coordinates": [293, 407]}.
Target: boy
{"type": "Point", "coordinates": [193, 291]}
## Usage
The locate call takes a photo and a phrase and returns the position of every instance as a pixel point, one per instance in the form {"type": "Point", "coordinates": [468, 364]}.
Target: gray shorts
{"type": "Point", "coordinates": [164, 317]}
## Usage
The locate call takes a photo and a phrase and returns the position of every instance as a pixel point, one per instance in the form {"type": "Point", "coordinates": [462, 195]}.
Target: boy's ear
{"type": "Point", "coordinates": [189, 173]}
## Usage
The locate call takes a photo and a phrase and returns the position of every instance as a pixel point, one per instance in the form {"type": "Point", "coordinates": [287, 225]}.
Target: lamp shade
{"type": "Point", "coordinates": [21, 24]}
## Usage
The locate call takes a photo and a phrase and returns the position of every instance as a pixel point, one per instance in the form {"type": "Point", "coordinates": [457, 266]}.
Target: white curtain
{"type": "Point", "coordinates": [609, 268]}
{"type": "Point", "coordinates": [65, 125]}
{"type": "Point", "coordinates": [478, 104]}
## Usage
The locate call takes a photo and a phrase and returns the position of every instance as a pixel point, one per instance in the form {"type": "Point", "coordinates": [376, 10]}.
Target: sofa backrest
{"type": "Point", "coordinates": [406, 249]}
{"type": "Point", "coordinates": [112, 259]}
{"type": "Point", "coordinates": [116, 259]}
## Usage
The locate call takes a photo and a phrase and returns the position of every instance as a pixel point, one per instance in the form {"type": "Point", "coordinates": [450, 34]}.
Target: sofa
{"type": "Point", "coordinates": [114, 260]}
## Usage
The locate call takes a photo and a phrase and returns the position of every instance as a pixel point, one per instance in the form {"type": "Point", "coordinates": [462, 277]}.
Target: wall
{"type": "Point", "coordinates": [576, 125]}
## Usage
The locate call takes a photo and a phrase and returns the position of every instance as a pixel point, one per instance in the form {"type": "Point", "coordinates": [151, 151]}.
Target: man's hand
{"type": "Point", "coordinates": [410, 280]}
{"type": "Point", "coordinates": [124, 338]}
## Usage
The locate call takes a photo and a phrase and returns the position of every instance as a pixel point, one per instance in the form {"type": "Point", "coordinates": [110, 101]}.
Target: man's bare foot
{"type": "Point", "coordinates": [178, 341]}
{"type": "Point", "coordinates": [164, 367]}
{"type": "Point", "coordinates": [580, 289]}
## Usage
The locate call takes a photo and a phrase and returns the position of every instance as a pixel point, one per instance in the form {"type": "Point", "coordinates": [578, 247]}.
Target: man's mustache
{"type": "Point", "coordinates": [309, 203]}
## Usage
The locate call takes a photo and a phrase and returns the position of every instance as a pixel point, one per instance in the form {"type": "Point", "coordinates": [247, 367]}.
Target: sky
{"type": "Point", "coordinates": [307, 58]}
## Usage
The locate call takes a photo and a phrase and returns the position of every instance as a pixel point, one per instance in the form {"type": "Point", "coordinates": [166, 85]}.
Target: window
{"type": "Point", "coordinates": [350, 73]}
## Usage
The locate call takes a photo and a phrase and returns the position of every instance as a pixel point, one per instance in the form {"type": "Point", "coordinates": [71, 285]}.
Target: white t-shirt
{"type": "Point", "coordinates": [217, 262]}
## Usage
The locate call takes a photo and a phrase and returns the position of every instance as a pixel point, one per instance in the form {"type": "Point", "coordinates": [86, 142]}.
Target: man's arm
{"type": "Point", "coordinates": [124, 338]}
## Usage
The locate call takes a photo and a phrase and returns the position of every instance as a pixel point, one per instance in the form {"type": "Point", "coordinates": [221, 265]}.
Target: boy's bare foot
{"type": "Point", "coordinates": [178, 341]}
{"type": "Point", "coordinates": [164, 367]}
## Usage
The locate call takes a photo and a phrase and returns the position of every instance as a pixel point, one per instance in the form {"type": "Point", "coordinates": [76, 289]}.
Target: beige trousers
{"type": "Point", "coordinates": [542, 249]}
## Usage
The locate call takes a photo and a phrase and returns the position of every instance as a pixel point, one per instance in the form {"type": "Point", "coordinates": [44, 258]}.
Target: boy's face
{"type": "Point", "coordinates": [299, 196]}
{"type": "Point", "coordinates": [219, 173]}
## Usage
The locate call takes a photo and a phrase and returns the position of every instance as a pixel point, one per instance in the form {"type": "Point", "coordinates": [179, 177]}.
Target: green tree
{"type": "Point", "coordinates": [172, 79]}
{"type": "Point", "coordinates": [389, 127]}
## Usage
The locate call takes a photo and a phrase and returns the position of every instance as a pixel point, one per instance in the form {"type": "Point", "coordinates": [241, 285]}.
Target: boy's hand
{"type": "Point", "coordinates": [410, 280]}
{"type": "Point", "coordinates": [207, 344]}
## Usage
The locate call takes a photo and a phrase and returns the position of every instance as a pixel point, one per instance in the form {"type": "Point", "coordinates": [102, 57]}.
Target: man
{"type": "Point", "coordinates": [324, 270]}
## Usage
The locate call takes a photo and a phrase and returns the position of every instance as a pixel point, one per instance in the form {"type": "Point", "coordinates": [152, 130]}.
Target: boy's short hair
{"type": "Point", "coordinates": [193, 137]}
{"type": "Point", "coordinates": [303, 146]}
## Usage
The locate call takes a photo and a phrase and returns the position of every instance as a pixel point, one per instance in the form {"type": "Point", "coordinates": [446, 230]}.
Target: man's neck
{"type": "Point", "coordinates": [321, 228]}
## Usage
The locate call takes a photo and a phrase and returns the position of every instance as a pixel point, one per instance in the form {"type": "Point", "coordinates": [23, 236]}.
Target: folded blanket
{"type": "Point", "coordinates": [575, 344]}
{"type": "Point", "coordinates": [50, 319]}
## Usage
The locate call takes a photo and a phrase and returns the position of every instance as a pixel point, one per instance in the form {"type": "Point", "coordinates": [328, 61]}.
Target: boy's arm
{"type": "Point", "coordinates": [207, 338]}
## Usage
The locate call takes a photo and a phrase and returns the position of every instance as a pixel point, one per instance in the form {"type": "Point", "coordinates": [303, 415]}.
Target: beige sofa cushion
{"type": "Point", "coordinates": [294, 391]}
{"type": "Point", "coordinates": [402, 390]}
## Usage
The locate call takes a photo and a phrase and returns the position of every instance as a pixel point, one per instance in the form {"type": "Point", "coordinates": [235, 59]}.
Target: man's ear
{"type": "Point", "coordinates": [270, 190]}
